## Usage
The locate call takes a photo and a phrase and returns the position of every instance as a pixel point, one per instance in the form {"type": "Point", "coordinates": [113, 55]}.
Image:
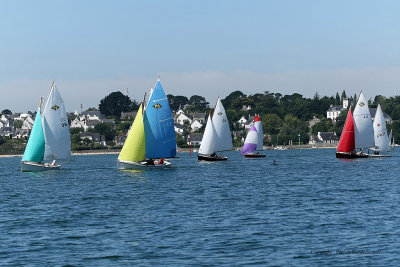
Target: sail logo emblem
{"type": "Point", "coordinates": [220, 113]}
{"type": "Point", "coordinates": [362, 104]}
{"type": "Point", "coordinates": [157, 106]}
{"type": "Point", "coordinates": [55, 107]}
{"type": "Point", "coordinates": [379, 124]}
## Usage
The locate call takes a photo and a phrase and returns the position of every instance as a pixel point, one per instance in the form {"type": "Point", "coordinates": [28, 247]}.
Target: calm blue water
{"type": "Point", "coordinates": [304, 211]}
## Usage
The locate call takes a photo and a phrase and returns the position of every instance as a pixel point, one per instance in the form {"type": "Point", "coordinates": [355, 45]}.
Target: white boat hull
{"type": "Point", "coordinates": [139, 165]}
{"type": "Point", "coordinates": [29, 166]}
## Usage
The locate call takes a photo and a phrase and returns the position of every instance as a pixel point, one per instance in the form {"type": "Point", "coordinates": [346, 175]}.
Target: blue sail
{"type": "Point", "coordinates": [159, 126]}
{"type": "Point", "coordinates": [34, 150]}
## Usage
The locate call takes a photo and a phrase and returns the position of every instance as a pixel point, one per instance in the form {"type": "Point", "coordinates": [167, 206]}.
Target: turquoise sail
{"type": "Point", "coordinates": [34, 150]}
{"type": "Point", "coordinates": [159, 126]}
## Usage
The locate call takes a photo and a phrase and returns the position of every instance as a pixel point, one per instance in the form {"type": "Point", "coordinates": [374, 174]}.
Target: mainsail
{"type": "Point", "coordinates": [382, 141]}
{"type": "Point", "coordinates": [258, 125]}
{"type": "Point", "coordinates": [207, 145]}
{"type": "Point", "coordinates": [347, 142]}
{"type": "Point", "coordinates": [34, 150]}
{"type": "Point", "coordinates": [250, 143]}
{"type": "Point", "coordinates": [159, 129]}
{"type": "Point", "coordinates": [55, 126]}
{"type": "Point", "coordinates": [363, 129]}
{"type": "Point", "coordinates": [221, 124]}
{"type": "Point", "coordinates": [134, 148]}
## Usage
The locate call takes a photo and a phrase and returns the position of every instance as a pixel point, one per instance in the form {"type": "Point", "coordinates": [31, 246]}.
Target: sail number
{"type": "Point", "coordinates": [63, 124]}
{"type": "Point", "coordinates": [365, 116]}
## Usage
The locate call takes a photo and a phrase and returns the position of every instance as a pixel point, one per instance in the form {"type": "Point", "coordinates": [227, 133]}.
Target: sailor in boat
{"type": "Point", "coordinates": [150, 162]}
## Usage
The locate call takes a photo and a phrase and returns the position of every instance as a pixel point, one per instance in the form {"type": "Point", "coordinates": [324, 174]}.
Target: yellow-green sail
{"type": "Point", "coordinates": [134, 148]}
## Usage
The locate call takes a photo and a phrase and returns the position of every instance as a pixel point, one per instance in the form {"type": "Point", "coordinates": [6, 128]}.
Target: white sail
{"type": "Point", "coordinates": [258, 126]}
{"type": "Point", "coordinates": [363, 129]}
{"type": "Point", "coordinates": [221, 124]}
{"type": "Point", "coordinates": [207, 146]}
{"type": "Point", "coordinates": [382, 140]}
{"type": "Point", "coordinates": [55, 128]}
{"type": "Point", "coordinates": [391, 140]}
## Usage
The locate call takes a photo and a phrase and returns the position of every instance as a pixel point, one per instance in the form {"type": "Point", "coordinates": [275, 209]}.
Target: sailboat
{"type": "Point", "coordinates": [151, 138]}
{"type": "Point", "coordinates": [50, 138]}
{"type": "Point", "coordinates": [217, 135]}
{"type": "Point", "coordinates": [391, 140]}
{"type": "Point", "coordinates": [358, 132]}
{"type": "Point", "coordinates": [254, 140]}
{"type": "Point", "coordinates": [346, 146]}
{"type": "Point", "coordinates": [382, 141]}
{"type": "Point", "coordinates": [363, 128]}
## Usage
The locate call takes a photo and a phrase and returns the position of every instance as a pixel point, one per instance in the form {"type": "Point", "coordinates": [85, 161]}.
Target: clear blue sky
{"type": "Point", "coordinates": [210, 48]}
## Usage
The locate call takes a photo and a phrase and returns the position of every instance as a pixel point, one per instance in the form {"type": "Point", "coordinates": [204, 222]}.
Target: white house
{"type": "Point", "coordinates": [249, 123]}
{"type": "Point", "coordinates": [5, 121]}
{"type": "Point", "coordinates": [180, 111]}
{"type": "Point", "coordinates": [178, 128]}
{"type": "Point", "coordinates": [27, 124]}
{"type": "Point", "coordinates": [79, 124]}
{"type": "Point", "coordinates": [242, 121]}
{"type": "Point", "coordinates": [334, 110]}
{"type": "Point", "coordinates": [196, 125]}
{"type": "Point", "coordinates": [21, 116]}
{"type": "Point", "coordinates": [314, 121]}
{"type": "Point", "coordinates": [181, 118]}
{"type": "Point", "coordinates": [91, 115]}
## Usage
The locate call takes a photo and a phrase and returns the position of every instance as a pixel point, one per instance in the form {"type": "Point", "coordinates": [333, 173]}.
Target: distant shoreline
{"type": "Point", "coordinates": [117, 151]}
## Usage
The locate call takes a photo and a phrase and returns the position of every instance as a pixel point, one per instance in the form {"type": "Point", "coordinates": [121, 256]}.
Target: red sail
{"type": "Point", "coordinates": [347, 141]}
{"type": "Point", "coordinates": [256, 118]}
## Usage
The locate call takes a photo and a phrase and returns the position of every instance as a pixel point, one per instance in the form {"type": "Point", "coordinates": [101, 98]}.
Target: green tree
{"type": "Point", "coordinates": [227, 101]}
{"type": "Point", "coordinates": [343, 96]}
{"type": "Point", "coordinates": [177, 101]}
{"type": "Point", "coordinates": [6, 111]}
{"type": "Point", "coordinates": [271, 123]}
{"type": "Point", "coordinates": [198, 101]}
{"type": "Point", "coordinates": [115, 103]}
{"type": "Point", "coordinates": [75, 138]}
{"type": "Point", "coordinates": [122, 128]}
{"type": "Point", "coordinates": [106, 130]}
{"type": "Point", "coordinates": [337, 99]}
{"type": "Point", "coordinates": [17, 124]}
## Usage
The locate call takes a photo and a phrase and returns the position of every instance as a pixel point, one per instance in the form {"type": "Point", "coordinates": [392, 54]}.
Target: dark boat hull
{"type": "Point", "coordinates": [254, 156]}
{"type": "Point", "coordinates": [211, 158]}
{"type": "Point", "coordinates": [342, 155]}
